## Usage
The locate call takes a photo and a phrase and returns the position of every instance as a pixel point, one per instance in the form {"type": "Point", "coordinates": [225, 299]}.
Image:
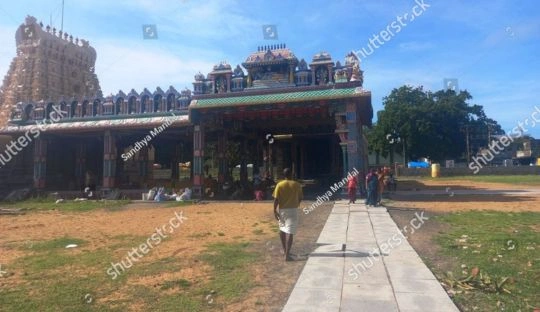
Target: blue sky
{"type": "Point", "coordinates": [491, 47]}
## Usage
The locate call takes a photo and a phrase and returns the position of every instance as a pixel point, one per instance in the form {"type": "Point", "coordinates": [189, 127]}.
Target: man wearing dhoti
{"type": "Point", "coordinates": [287, 197]}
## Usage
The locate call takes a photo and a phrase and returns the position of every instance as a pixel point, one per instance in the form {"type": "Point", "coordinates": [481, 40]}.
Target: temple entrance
{"type": "Point", "coordinates": [69, 159]}
{"type": "Point", "coordinates": [162, 160]}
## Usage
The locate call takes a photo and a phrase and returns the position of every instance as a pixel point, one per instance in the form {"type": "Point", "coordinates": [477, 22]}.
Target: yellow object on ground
{"type": "Point", "coordinates": [435, 170]}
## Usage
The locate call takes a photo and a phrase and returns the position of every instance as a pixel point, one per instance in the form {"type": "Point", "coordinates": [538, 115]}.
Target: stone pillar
{"type": "Point", "coordinates": [80, 163]}
{"type": "Point", "coordinates": [228, 89]}
{"type": "Point", "coordinates": [354, 142]}
{"type": "Point", "coordinates": [345, 157]}
{"type": "Point", "coordinates": [280, 160]}
{"type": "Point", "coordinates": [243, 162]}
{"type": "Point", "coordinates": [198, 159]}
{"type": "Point", "coordinates": [256, 161]}
{"type": "Point", "coordinates": [109, 160]}
{"type": "Point", "coordinates": [222, 159]}
{"type": "Point", "coordinates": [143, 163]}
{"type": "Point", "coordinates": [291, 74]}
{"type": "Point", "coordinates": [40, 163]}
{"type": "Point", "coordinates": [294, 165]}
{"type": "Point", "coordinates": [269, 168]}
{"type": "Point", "coordinates": [302, 160]}
{"type": "Point", "coordinates": [335, 157]}
{"type": "Point", "coordinates": [174, 165]}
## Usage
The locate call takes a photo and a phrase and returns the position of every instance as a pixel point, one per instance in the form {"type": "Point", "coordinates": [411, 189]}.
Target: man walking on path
{"type": "Point", "coordinates": [287, 196]}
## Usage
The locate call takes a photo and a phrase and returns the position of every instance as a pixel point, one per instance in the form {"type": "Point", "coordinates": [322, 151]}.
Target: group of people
{"type": "Point", "coordinates": [258, 189]}
{"type": "Point", "coordinates": [160, 194]}
{"type": "Point", "coordinates": [375, 182]}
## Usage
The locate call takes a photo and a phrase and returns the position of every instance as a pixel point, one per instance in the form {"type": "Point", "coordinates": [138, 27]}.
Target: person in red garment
{"type": "Point", "coordinates": [287, 196]}
{"type": "Point", "coordinates": [351, 189]}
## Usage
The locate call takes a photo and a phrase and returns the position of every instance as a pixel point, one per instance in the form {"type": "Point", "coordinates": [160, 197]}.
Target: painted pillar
{"type": "Point", "coordinates": [198, 159]}
{"type": "Point", "coordinates": [40, 163]}
{"type": "Point", "coordinates": [109, 160]}
{"type": "Point", "coordinates": [80, 163]}
{"type": "Point", "coordinates": [354, 143]}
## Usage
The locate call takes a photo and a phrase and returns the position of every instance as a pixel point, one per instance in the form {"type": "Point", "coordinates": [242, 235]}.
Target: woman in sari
{"type": "Point", "coordinates": [351, 188]}
{"type": "Point", "coordinates": [372, 183]}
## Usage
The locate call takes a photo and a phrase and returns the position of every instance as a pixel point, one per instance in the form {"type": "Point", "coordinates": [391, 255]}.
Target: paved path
{"type": "Point", "coordinates": [363, 263]}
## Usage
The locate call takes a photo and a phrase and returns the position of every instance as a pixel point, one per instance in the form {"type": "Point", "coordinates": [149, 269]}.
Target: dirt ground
{"type": "Point", "coordinates": [449, 201]}
{"type": "Point", "coordinates": [226, 222]}
{"type": "Point", "coordinates": [244, 221]}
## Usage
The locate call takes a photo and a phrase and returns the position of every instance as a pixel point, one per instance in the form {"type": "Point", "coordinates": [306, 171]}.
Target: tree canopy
{"type": "Point", "coordinates": [434, 125]}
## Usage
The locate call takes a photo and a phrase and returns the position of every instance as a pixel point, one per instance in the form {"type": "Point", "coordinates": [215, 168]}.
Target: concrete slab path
{"type": "Point", "coordinates": [365, 263]}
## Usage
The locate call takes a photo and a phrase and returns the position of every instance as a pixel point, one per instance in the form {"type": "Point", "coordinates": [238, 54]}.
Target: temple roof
{"type": "Point", "coordinates": [270, 55]}
{"type": "Point", "coordinates": [284, 97]}
{"type": "Point", "coordinates": [222, 67]}
{"type": "Point", "coordinates": [321, 58]}
{"type": "Point", "coordinates": [122, 123]}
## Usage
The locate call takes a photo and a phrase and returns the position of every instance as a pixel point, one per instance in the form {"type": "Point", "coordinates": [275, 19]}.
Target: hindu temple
{"type": "Point", "coordinates": [272, 111]}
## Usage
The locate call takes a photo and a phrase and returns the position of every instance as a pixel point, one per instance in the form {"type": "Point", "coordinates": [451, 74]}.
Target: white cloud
{"type": "Point", "coordinates": [129, 67]}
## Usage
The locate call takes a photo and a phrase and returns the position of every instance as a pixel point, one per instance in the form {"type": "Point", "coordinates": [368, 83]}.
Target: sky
{"type": "Point", "coordinates": [490, 48]}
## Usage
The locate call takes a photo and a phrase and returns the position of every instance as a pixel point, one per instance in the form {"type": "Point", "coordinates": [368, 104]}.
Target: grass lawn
{"type": "Point", "coordinates": [497, 259]}
{"type": "Point", "coordinates": [212, 262]}
{"type": "Point", "coordinates": [533, 180]}
{"type": "Point", "coordinates": [43, 203]}
{"type": "Point", "coordinates": [60, 279]}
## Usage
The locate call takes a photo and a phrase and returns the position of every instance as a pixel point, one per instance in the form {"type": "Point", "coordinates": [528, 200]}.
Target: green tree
{"type": "Point", "coordinates": [433, 125]}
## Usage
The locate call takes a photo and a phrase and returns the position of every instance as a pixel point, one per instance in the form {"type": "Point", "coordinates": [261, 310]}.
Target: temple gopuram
{"type": "Point", "coordinates": [273, 111]}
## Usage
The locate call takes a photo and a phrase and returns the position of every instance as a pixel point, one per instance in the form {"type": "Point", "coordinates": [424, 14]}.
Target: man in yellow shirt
{"type": "Point", "coordinates": [287, 196]}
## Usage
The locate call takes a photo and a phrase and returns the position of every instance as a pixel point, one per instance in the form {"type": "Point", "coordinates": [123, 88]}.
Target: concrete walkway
{"type": "Point", "coordinates": [364, 263]}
